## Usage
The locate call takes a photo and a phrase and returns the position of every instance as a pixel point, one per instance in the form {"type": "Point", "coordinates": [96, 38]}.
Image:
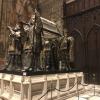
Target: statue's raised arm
{"type": "Point", "coordinates": [11, 30]}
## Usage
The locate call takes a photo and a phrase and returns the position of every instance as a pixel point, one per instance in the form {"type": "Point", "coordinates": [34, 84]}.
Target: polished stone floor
{"type": "Point", "coordinates": [80, 98]}
{"type": "Point", "coordinates": [90, 94]}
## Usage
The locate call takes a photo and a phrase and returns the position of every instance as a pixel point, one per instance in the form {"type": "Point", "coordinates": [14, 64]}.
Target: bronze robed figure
{"type": "Point", "coordinates": [22, 45]}
{"type": "Point", "coordinates": [53, 55]}
{"type": "Point", "coordinates": [37, 43]}
{"type": "Point", "coordinates": [15, 49]}
{"type": "Point", "coordinates": [66, 53]}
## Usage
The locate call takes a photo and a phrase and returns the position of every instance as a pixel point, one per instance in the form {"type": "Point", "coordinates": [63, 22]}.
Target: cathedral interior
{"type": "Point", "coordinates": [49, 37]}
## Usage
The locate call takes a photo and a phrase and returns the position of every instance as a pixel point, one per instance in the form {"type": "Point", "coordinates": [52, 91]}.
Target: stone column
{"type": "Point", "coordinates": [30, 90]}
{"type": "Point", "coordinates": [58, 87]}
{"type": "Point", "coordinates": [76, 82]}
{"type": "Point", "coordinates": [2, 84]}
{"type": "Point", "coordinates": [11, 87]}
{"type": "Point", "coordinates": [82, 81]}
{"type": "Point", "coordinates": [22, 88]}
{"type": "Point", "coordinates": [45, 88]}
{"type": "Point", "coordinates": [67, 84]}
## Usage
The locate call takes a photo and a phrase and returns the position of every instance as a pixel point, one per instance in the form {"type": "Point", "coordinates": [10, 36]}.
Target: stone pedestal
{"type": "Point", "coordinates": [20, 87]}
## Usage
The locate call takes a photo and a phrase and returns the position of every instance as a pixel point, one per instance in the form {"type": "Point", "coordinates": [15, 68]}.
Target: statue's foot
{"type": "Point", "coordinates": [18, 69]}
{"type": "Point", "coordinates": [66, 69]}
{"type": "Point", "coordinates": [28, 69]}
{"type": "Point", "coordinates": [39, 69]}
{"type": "Point", "coordinates": [32, 69]}
{"type": "Point", "coordinates": [9, 69]}
{"type": "Point", "coordinates": [5, 68]}
{"type": "Point", "coordinates": [69, 68]}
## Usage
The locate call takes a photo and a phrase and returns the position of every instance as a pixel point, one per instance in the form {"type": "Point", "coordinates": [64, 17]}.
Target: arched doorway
{"type": "Point", "coordinates": [78, 49]}
{"type": "Point", "coordinates": [93, 52]}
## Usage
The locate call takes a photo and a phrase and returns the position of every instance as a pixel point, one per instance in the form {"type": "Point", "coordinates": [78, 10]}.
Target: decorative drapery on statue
{"type": "Point", "coordinates": [37, 43]}
{"type": "Point", "coordinates": [14, 51]}
{"type": "Point", "coordinates": [54, 56]}
{"type": "Point", "coordinates": [66, 53]}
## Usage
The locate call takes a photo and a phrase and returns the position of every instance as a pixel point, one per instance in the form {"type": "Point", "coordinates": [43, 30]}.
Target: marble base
{"type": "Point", "coordinates": [21, 87]}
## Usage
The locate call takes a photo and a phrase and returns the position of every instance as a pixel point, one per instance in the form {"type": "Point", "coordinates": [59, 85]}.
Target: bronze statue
{"type": "Point", "coordinates": [18, 39]}
{"type": "Point", "coordinates": [14, 50]}
{"type": "Point", "coordinates": [53, 56]}
{"type": "Point", "coordinates": [37, 43]}
{"type": "Point", "coordinates": [65, 53]}
{"type": "Point", "coordinates": [26, 48]}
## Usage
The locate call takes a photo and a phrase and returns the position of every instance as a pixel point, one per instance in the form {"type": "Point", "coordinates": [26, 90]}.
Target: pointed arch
{"type": "Point", "coordinates": [93, 48]}
{"type": "Point", "coordinates": [78, 48]}
{"type": "Point", "coordinates": [95, 26]}
{"type": "Point", "coordinates": [77, 31]}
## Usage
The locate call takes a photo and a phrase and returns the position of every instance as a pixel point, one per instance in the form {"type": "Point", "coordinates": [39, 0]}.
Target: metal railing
{"type": "Point", "coordinates": [77, 89]}
{"type": "Point", "coordinates": [66, 90]}
{"type": "Point", "coordinates": [51, 90]}
{"type": "Point", "coordinates": [57, 90]}
{"type": "Point", "coordinates": [93, 89]}
{"type": "Point", "coordinates": [43, 95]}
